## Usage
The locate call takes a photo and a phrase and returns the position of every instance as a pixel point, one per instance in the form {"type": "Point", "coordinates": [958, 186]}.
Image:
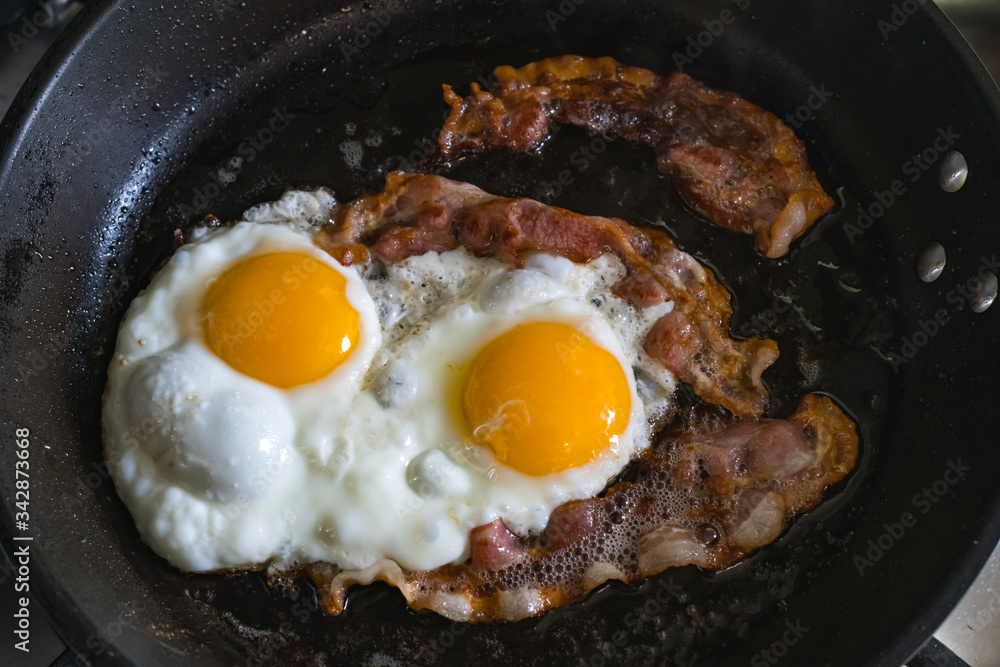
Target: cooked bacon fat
{"type": "Point", "coordinates": [705, 495]}
{"type": "Point", "coordinates": [731, 161]}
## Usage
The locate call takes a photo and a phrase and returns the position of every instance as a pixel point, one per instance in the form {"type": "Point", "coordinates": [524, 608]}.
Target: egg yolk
{"type": "Point", "coordinates": [544, 397]}
{"type": "Point", "coordinates": [282, 318]}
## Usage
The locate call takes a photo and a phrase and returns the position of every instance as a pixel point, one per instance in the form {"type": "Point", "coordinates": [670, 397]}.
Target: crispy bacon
{"type": "Point", "coordinates": [730, 161]}
{"type": "Point", "coordinates": [737, 496]}
{"type": "Point", "coordinates": [417, 213]}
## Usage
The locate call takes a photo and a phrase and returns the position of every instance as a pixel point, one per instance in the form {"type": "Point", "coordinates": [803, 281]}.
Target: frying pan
{"type": "Point", "coordinates": [121, 134]}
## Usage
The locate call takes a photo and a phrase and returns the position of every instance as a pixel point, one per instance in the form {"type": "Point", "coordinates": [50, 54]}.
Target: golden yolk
{"type": "Point", "coordinates": [282, 318]}
{"type": "Point", "coordinates": [544, 397]}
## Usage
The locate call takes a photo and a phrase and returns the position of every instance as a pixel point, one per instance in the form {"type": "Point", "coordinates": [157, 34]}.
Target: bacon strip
{"type": "Point", "coordinates": [731, 161]}
{"type": "Point", "coordinates": [416, 214]}
{"type": "Point", "coordinates": [736, 496]}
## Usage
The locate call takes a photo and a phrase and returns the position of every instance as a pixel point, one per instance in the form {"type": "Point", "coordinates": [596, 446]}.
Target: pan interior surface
{"type": "Point", "coordinates": [320, 94]}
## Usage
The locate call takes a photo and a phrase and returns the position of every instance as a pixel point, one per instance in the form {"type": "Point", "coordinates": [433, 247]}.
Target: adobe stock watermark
{"type": "Point", "coordinates": [266, 653]}
{"type": "Point", "coordinates": [765, 321]}
{"type": "Point", "coordinates": [100, 642]}
{"type": "Point", "coordinates": [922, 502]}
{"type": "Point", "coordinates": [430, 477]}
{"type": "Point", "coordinates": [424, 148]}
{"type": "Point", "coordinates": [913, 169]}
{"type": "Point", "coordinates": [562, 13]}
{"type": "Point", "coordinates": [581, 159]}
{"type": "Point", "coordinates": [229, 169]}
{"type": "Point", "coordinates": [698, 42]}
{"type": "Point", "coordinates": [958, 297]}
{"type": "Point", "coordinates": [38, 359]}
{"type": "Point", "coordinates": [261, 311]}
{"type": "Point", "coordinates": [982, 619]}
{"type": "Point", "coordinates": [99, 471]}
{"type": "Point", "coordinates": [96, 132]}
{"type": "Point", "coordinates": [900, 14]}
{"type": "Point", "coordinates": [227, 513]}
{"type": "Point", "coordinates": [447, 638]}
{"type": "Point", "coordinates": [817, 99]}
{"type": "Point", "coordinates": [32, 22]}
{"type": "Point", "coordinates": [367, 32]}
{"type": "Point", "coordinates": [611, 653]}
{"type": "Point", "coordinates": [794, 631]}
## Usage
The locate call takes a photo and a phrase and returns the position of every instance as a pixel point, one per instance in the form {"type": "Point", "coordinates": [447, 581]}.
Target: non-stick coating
{"type": "Point", "coordinates": [113, 144]}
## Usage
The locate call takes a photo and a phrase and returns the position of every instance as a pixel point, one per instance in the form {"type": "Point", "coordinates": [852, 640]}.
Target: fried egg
{"type": "Point", "coordinates": [268, 406]}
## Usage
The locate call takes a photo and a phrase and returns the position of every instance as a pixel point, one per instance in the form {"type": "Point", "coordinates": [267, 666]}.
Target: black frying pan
{"type": "Point", "coordinates": [114, 141]}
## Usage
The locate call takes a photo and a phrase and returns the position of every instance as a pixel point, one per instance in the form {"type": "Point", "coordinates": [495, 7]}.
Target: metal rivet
{"type": "Point", "coordinates": [985, 292]}
{"type": "Point", "coordinates": [930, 264]}
{"type": "Point", "coordinates": [954, 171]}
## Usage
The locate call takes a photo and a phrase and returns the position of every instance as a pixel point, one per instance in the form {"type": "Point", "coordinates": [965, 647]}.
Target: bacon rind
{"type": "Point", "coordinates": [418, 213]}
{"type": "Point", "coordinates": [732, 162]}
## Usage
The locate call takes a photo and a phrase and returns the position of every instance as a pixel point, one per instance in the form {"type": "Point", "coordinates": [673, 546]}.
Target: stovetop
{"type": "Point", "coordinates": [972, 631]}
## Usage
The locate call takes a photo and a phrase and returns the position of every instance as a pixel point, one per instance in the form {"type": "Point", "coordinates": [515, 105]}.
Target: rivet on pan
{"type": "Point", "coordinates": [930, 264]}
{"type": "Point", "coordinates": [985, 292]}
{"type": "Point", "coordinates": [954, 171]}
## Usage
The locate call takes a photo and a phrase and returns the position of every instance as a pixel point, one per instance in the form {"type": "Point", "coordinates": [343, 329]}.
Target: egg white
{"type": "Point", "coordinates": [222, 471]}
